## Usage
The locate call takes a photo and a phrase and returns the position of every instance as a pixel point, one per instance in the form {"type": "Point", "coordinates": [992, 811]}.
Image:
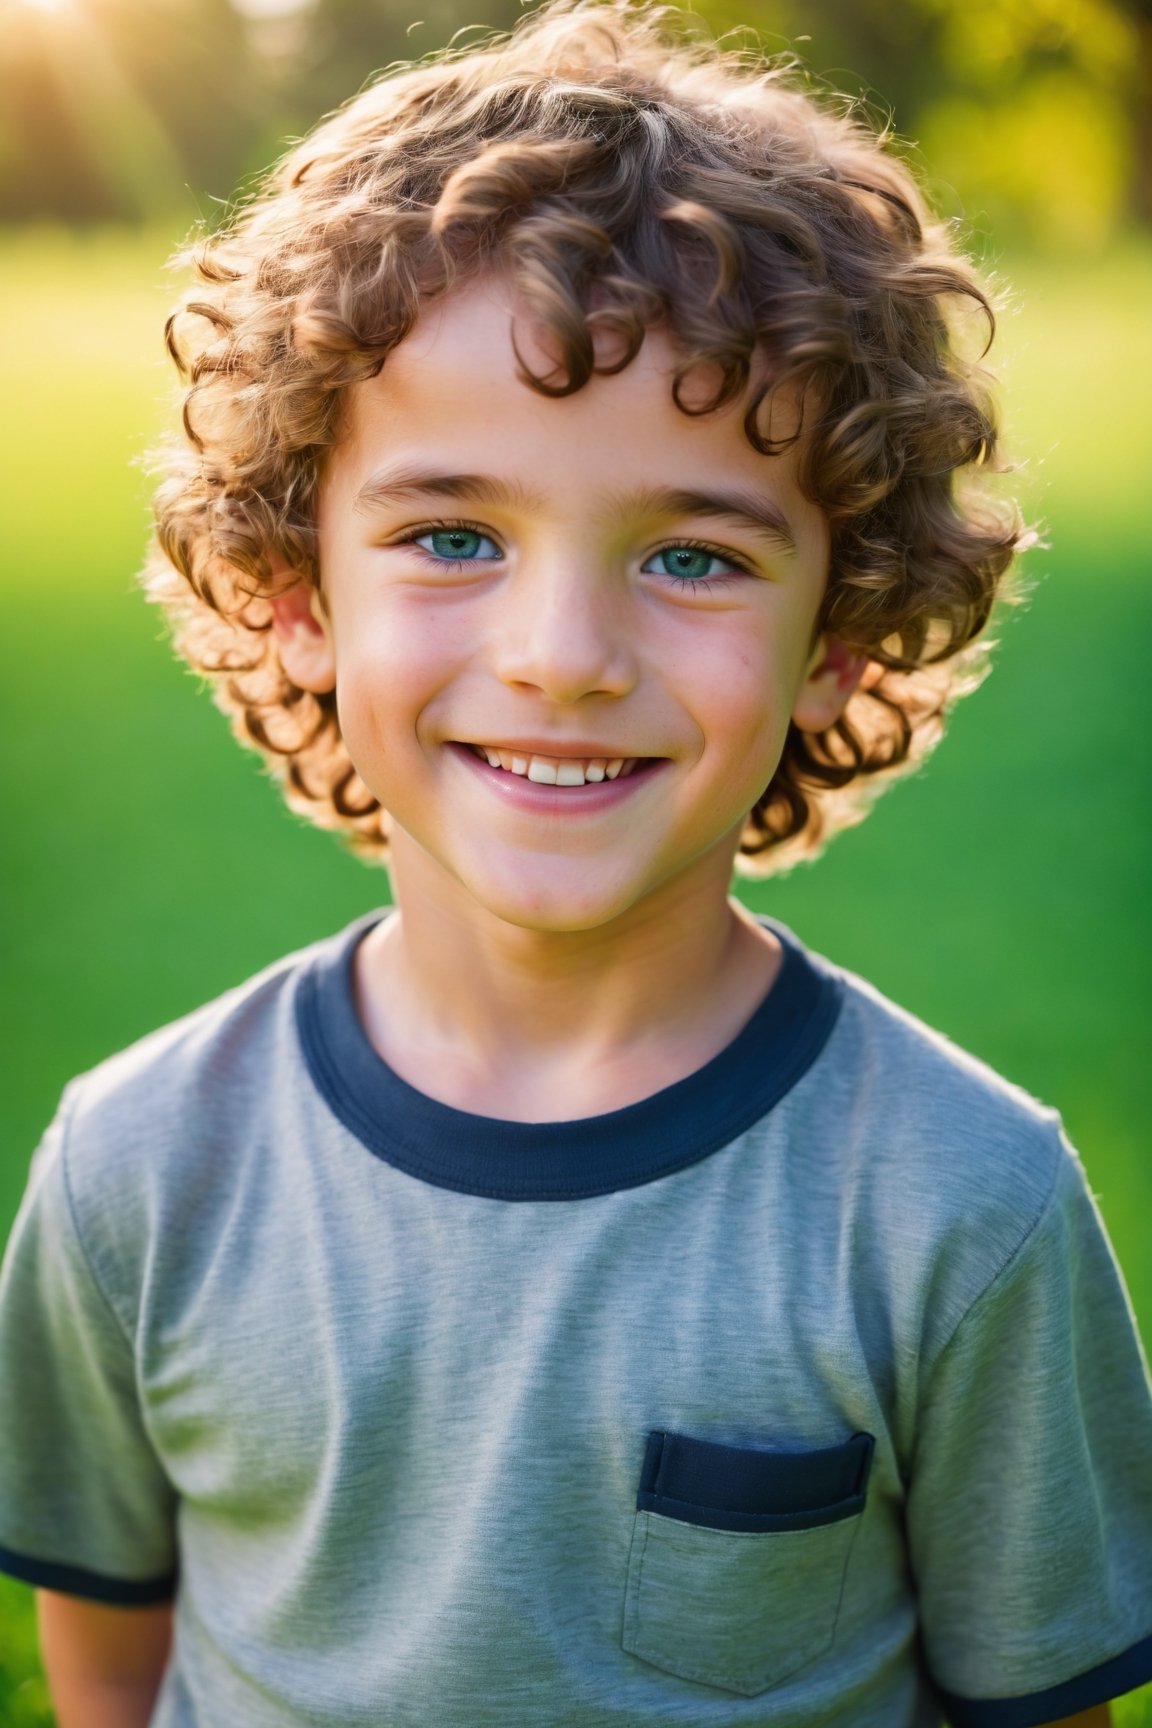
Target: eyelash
{"type": "Point", "coordinates": [453, 527]}
{"type": "Point", "coordinates": [738, 567]}
{"type": "Point", "coordinates": [460, 525]}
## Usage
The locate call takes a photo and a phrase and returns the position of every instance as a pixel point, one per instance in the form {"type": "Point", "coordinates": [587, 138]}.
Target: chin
{"type": "Point", "coordinates": [556, 907]}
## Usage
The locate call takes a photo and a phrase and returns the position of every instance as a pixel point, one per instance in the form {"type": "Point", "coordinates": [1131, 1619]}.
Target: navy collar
{"type": "Point", "coordinates": [574, 1160]}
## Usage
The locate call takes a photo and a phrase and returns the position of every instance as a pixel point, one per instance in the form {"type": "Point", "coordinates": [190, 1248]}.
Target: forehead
{"type": "Point", "coordinates": [451, 396]}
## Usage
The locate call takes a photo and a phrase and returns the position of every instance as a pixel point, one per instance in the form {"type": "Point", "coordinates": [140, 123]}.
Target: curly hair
{"type": "Point", "coordinates": [624, 175]}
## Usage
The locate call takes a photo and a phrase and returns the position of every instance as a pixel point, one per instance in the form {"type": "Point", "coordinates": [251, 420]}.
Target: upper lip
{"type": "Point", "coordinates": [576, 750]}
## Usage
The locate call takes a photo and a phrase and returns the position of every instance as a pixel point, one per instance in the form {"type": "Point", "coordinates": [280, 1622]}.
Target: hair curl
{"type": "Point", "coordinates": [625, 177]}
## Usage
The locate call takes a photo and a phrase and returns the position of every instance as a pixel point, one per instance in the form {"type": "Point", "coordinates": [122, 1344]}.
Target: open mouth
{"type": "Point", "coordinates": [559, 770]}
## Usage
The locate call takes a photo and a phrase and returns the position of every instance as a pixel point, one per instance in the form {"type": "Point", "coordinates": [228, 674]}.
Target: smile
{"type": "Point", "coordinates": [556, 770]}
{"type": "Point", "coordinates": [545, 785]}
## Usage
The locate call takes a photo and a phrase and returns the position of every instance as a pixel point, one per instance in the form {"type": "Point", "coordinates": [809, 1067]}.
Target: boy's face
{"type": "Point", "coordinates": [564, 583]}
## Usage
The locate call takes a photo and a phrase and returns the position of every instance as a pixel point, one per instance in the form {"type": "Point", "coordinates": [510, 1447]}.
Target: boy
{"type": "Point", "coordinates": [566, 1300]}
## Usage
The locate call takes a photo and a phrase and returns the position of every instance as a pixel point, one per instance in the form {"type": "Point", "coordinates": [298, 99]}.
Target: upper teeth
{"type": "Point", "coordinates": [557, 770]}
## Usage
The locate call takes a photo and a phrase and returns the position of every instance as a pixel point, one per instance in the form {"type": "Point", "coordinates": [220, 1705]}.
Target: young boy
{"type": "Point", "coordinates": [564, 1300]}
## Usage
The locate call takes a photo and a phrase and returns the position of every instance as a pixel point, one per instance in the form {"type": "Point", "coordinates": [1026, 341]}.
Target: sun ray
{"type": "Point", "coordinates": [121, 131]}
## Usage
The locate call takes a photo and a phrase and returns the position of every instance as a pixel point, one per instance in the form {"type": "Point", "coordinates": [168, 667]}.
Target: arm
{"type": "Point", "coordinates": [104, 1665]}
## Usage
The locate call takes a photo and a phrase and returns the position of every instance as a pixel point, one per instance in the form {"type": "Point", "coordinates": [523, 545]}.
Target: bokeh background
{"type": "Point", "coordinates": [146, 862]}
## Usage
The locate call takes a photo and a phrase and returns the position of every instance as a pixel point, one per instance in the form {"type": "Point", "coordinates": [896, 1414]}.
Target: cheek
{"type": "Point", "coordinates": [744, 696]}
{"type": "Point", "coordinates": [390, 669]}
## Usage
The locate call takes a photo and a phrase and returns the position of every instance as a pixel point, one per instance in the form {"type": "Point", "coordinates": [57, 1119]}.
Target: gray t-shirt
{"type": "Point", "coordinates": [804, 1393]}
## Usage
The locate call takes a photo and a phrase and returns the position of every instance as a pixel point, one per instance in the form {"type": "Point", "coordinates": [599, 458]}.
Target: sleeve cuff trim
{"type": "Point", "coordinates": [1109, 1680]}
{"type": "Point", "coordinates": [77, 1581]}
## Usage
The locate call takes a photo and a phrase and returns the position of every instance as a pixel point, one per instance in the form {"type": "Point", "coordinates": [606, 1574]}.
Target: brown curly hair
{"type": "Point", "coordinates": [626, 176]}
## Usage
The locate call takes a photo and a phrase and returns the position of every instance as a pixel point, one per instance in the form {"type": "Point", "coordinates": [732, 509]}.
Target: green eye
{"type": "Point", "coordinates": [687, 564]}
{"type": "Point", "coordinates": [458, 543]}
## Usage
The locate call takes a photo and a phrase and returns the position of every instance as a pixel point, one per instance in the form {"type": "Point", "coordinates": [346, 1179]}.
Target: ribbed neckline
{"type": "Point", "coordinates": [572, 1160]}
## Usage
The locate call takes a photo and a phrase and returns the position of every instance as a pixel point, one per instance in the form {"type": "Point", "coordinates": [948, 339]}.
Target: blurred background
{"type": "Point", "coordinates": [147, 864]}
{"type": "Point", "coordinates": [1032, 114]}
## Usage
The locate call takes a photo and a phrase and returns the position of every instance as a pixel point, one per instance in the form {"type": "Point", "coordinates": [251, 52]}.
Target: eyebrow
{"type": "Point", "coordinates": [392, 485]}
{"type": "Point", "coordinates": [746, 508]}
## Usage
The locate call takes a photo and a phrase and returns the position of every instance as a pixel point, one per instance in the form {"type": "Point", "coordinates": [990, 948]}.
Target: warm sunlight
{"type": "Point", "coordinates": [86, 74]}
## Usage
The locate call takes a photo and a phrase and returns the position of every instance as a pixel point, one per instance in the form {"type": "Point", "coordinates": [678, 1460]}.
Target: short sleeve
{"type": "Point", "coordinates": [1030, 1505]}
{"type": "Point", "coordinates": [85, 1506]}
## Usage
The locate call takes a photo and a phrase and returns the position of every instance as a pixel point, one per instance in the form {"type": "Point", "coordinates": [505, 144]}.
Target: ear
{"type": "Point", "coordinates": [831, 679]}
{"type": "Point", "coordinates": [302, 629]}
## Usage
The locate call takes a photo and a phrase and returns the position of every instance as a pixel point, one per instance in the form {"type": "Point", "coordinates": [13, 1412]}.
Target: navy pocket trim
{"type": "Point", "coordinates": [751, 1488]}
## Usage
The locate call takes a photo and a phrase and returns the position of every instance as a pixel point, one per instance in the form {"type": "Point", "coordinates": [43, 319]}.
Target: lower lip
{"type": "Point", "coordinates": [543, 800]}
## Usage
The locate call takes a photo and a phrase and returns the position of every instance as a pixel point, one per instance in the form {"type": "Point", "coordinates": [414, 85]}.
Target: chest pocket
{"type": "Point", "coordinates": [739, 1555]}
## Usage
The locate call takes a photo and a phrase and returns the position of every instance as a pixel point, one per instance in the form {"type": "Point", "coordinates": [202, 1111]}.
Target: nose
{"type": "Point", "coordinates": [565, 633]}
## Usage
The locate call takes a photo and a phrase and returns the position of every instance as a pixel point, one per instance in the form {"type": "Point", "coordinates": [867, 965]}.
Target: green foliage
{"type": "Point", "coordinates": [1034, 117]}
{"type": "Point", "coordinates": [1028, 111]}
{"type": "Point", "coordinates": [1023, 112]}
{"type": "Point", "coordinates": [113, 109]}
{"type": "Point", "coordinates": [1056, 149]}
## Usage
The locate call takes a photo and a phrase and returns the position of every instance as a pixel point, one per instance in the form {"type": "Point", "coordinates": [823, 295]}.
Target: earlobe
{"type": "Point", "coordinates": [833, 676]}
{"type": "Point", "coordinates": [305, 639]}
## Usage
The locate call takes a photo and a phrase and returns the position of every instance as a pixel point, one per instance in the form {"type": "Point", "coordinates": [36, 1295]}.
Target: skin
{"type": "Point", "coordinates": [104, 1665]}
{"type": "Point", "coordinates": [543, 965]}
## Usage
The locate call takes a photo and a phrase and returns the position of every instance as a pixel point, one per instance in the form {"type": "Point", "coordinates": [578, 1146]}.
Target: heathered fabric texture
{"type": "Point", "coordinates": [837, 1416]}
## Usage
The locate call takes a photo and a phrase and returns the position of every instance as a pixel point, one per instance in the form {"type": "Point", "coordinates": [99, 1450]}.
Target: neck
{"type": "Point", "coordinates": [523, 1023]}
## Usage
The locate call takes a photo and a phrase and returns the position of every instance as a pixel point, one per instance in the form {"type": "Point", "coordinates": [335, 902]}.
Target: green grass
{"type": "Point", "coordinates": [24, 1701]}
{"type": "Point", "coordinates": [1002, 894]}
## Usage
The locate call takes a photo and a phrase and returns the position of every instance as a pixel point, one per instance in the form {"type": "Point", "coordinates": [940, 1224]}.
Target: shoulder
{"type": "Point", "coordinates": [952, 1168]}
{"type": "Point", "coordinates": [927, 1086]}
{"type": "Point", "coordinates": [185, 1071]}
{"type": "Point", "coordinates": [150, 1140]}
